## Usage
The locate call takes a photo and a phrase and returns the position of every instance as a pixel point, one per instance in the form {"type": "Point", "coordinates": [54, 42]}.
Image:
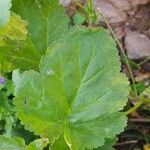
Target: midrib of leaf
{"type": "Point", "coordinates": [62, 79]}
{"type": "Point", "coordinates": [46, 18]}
{"type": "Point", "coordinates": [81, 81]}
{"type": "Point", "coordinates": [85, 81]}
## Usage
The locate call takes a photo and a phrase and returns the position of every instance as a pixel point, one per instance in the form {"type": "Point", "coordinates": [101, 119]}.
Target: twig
{"type": "Point", "coordinates": [137, 105]}
{"type": "Point", "coordinates": [145, 60]}
{"type": "Point", "coordinates": [127, 142]}
{"type": "Point", "coordinates": [140, 120]}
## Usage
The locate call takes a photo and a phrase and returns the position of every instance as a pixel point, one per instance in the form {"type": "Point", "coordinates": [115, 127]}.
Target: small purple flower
{"type": "Point", "coordinates": [2, 80]}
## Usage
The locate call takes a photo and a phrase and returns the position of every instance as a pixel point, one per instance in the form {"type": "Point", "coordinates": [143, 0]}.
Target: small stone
{"type": "Point", "coordinates": [119, 32]}
{"type": "Point", "coordinates": [127, 24]}
{"type": "Point", "coordinates": [121, 4]}
{"type": "Point", "coordinates": [131, 12]}
{"type": "Point", "coordinates": [65, 2]}
{"type": "Point", "coordinates": [137, 45]}
{"type": "Point", "coordinates": [136, 3]}
{"type": "Point", "coordinates": [139, 16]}
{"type": "Point", "coordinates": [111, 13]}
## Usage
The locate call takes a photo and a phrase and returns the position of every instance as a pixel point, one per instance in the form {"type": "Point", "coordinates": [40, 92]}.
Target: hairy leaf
{"type": "Point", "coordinates": [18, 54]}
{"type": "Point", "coordinates": [38, 144]}
{"type": "Point", "coordinates": [16, 50]}
{"type": "Point", "coordinates": [47, 20]}
{"type": "Point", "coordinates": [77, 94]}
{"type": "Point", "coordinates": [7, 143]}
{"type": "Point", "coordinates": [59, 144]}
{"type": "Point", "coordinates": [17, 143]}
{"type": "Point", "coordinates": [6, 114]}
{"type": "Point", "coordinates": [4, 11]}
{"type": "Point", "coordinates": [109, 143]}
{"type": "Point", "coordinates": [15, 29]}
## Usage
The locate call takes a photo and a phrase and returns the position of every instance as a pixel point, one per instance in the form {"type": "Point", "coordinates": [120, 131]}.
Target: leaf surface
{"type": "Point", "coordinates": [38, 144]}
{"type": "Point", "coordinates": [15, 143]}
{"type": "Point", "coordinates": [15, 29]}
{"type": "Point", "coordinates": [59, 144]}
{"type": "Point", "coordinates": [77, 94]}
{"type": "Point", "coordinates": [16, 50]}
{"type": "Point", "coordinates": [46, 18]}
{"type": "Point", "coordinates": [4, 11]}
{"type": "Point", "coordinates": [109, 143]}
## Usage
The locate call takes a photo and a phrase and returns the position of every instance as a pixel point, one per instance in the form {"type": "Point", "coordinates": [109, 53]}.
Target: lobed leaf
{"type": "Point", "coordinates": [47, 20]}
{"type": "Point", "coordinates": [59, 144]}
{"type": "Point", "coordinates": [77, 94]}
{"type": "Point", "coordinates": [38, 144]}
{"type": "Point", "coordinates": [17, 143]}
{"type": "Point", "coordinates": [16, 50]}
{"type": "Point", "coordinates": [14, 30]}
{"type": "Point", "coordinates": [109, 143]}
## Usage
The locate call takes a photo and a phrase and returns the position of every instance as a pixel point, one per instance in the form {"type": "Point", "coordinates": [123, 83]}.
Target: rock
{"type": "Point", "coordinates": [136, 3]}
{"type": "Point", "coordinates": [119, 32]}
{"type": "Point", "coordinates": [65, 2]}
{"type": "Point", "coordinates": [121, 4]}
{"type": "Point", "coordinates": [137, 45]}
{"type": "Point", "coordinates": [111, 13]}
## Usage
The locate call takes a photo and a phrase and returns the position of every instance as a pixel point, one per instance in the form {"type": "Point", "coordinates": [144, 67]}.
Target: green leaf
{"type": "Point", "coordinates": [15, 29]}
{"type": "Point", "coordinates": [59, 144]}
{"type": "Point", "coordinates": [145, 96]}
{"type": "Point", "coordinates": [4, 101]}
{"type": "Point", "coordinates": [146, 93]}
{"type": "Point", "coordinates": [47, 20]}
{"type": "Point", "coordinates": [78, 19]}
{"type": "Point", "coordinates": [38, 144]}
{"type": "Point", "coordinates": [18, 54]}
{"type": "Point", "coordinates": [109, 143]}
{"type": "Point", "coordinates": [45, 122]}
{"type": "Point", "coordinates": [4, 11]}
{"type": "Point", "coordinates": [15, 143]}
{"type": "Point", "coordinates": [16, 50]}
{"type": "Point", "coordinates": [6, 113]}
{"type": "Point", "coordinates": [77, 94]}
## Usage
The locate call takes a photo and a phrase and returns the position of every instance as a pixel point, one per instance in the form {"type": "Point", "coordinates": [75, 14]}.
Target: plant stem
{"type": "Point", "coordinates": [124, 55]}
{"type": "Point", "coordinates": [137, 105]}
{"type": "Point", "coordinates": [82, 7]}
{"type": "Point", "coordinates": [147, 59]}
{"type": "Point", "coordinates": [145, 100]}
